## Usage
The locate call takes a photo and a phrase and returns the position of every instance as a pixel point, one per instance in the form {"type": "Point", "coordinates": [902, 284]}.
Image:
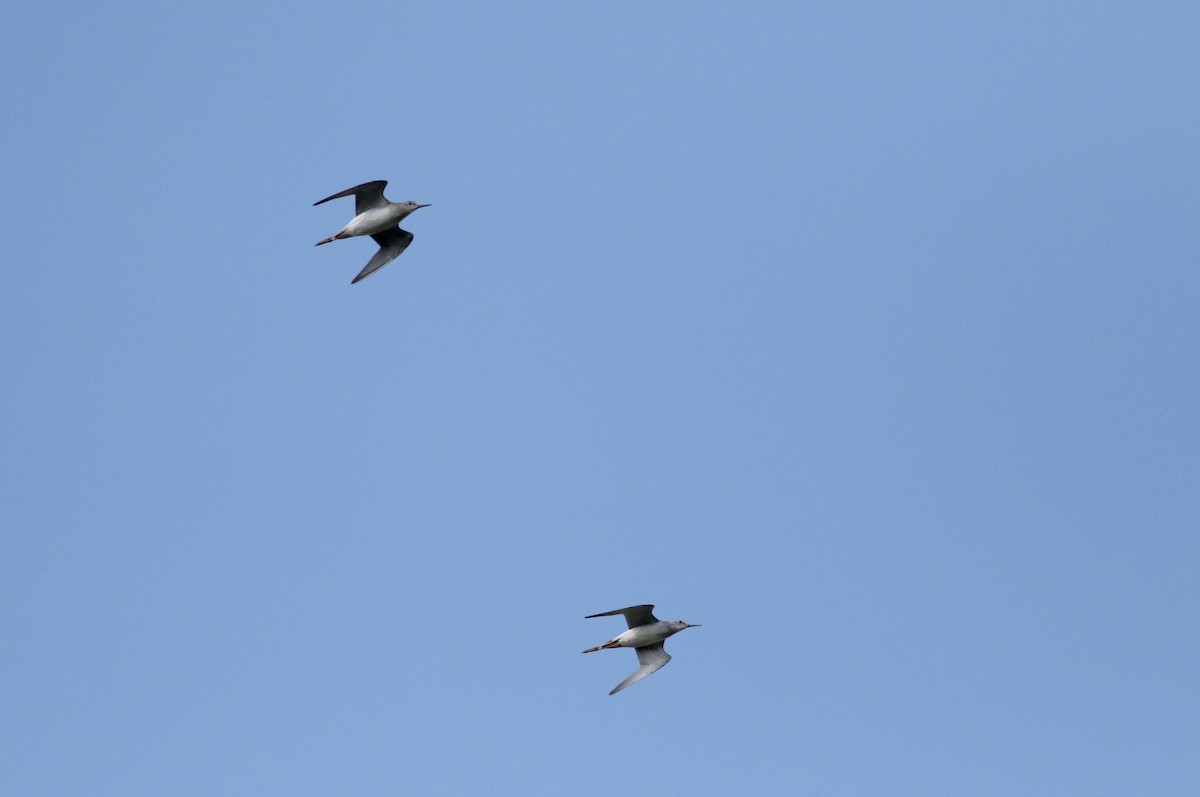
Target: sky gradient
{"type": "Point", "coordinates": [862, 334]}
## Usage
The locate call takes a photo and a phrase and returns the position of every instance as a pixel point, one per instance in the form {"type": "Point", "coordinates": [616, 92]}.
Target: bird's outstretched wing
{"type": "Point", "coordinates": [652, 657]}
{"type": "Point", "coordinates": [391, 243]}
{"type": "Point", "coordinates": [366, 196]}
{"type": "Point", "coordinates": [634, 615]}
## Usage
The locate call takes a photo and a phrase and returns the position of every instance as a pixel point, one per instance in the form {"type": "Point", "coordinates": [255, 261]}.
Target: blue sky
{"type": "Point", "coordinates": [862, 334]}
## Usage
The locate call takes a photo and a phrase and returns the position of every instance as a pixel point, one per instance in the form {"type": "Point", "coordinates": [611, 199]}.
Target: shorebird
{"type": "Point", "coordinates": [378, 218]}
{"type": "Point", "coordinates": [645, 635]}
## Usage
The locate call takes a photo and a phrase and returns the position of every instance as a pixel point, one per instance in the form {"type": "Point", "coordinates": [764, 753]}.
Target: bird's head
{"type": "Point", "coordinates": [679, 625]}
{"type": "Point", "coordinates": [409, 207]}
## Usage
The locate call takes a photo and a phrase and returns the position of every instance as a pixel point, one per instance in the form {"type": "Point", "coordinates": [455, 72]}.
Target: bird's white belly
{"type": "Point", "coordinates": [371, 221]}
{"type": "Point", "coordinates": [643, 635]}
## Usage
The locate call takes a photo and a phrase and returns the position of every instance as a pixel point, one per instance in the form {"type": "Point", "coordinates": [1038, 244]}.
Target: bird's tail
{"type": "Point", "coordinates": [609, 644]}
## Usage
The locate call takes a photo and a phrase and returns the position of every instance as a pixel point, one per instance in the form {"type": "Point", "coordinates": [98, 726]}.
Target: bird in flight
{"type": "Point", "coordinates": [645, 635]}
{"type": "Point", "coordinates": [377, 217]}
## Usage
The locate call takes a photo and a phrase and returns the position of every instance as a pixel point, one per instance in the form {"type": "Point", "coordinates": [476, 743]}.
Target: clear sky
{"type": "Point", "coordinates": [862, 334]}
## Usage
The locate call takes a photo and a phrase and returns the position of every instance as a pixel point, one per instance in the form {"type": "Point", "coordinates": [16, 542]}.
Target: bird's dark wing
{"type": "Point", "coordinates": [366, 196]}
{"type": "Point", "coordinates": [391, 243]}
{"type": "Point", "coordinates": [652, 658]}
{"type": "Point", "coordinates": [634, 615]}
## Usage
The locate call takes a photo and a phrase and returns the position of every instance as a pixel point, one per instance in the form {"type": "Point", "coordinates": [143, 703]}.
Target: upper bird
{"type": "Point", "coordinates": [645, 635]}
{"type": "Point", "coordinates": [377, 217]}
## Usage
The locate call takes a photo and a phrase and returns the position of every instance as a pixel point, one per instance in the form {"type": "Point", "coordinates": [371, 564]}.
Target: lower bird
{"type": "Point", "coordinates": [645, 635]}
{"type": "Point", "coordinates": [377, 217]}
